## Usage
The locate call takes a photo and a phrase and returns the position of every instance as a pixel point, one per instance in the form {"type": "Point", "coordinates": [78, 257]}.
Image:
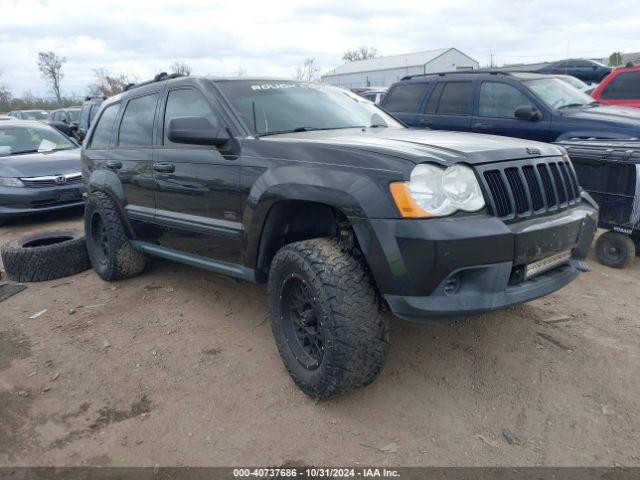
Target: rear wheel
{"type": "Point", "coordinates": [325, 318]}
{"type": "Point", "coordinates": [615, 250]}
{"type": "Point", "coordinates": [111, 253]}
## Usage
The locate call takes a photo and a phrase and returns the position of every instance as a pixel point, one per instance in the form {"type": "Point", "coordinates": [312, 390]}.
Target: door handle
{"type": "Point", "coordinates": [425, 123]}
{"type": "Point", "coordinates": [482, 126]}
{"type": "Point", "coordinates": [114, 164]}
{"type": "Point", "coordinates": [164, 167]}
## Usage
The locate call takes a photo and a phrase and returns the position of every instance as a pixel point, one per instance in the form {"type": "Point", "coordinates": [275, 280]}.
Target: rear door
{"type": "Point", "coordinates": [404, 100]}
{"type": "Point", "coordinates": [133, 155]}
{"type": "Point", "coordinates": [449, 106]}
{"type": "Point", "coordinates": [198, 203]}
{"type": "Point", "coordinates": [495, 113]}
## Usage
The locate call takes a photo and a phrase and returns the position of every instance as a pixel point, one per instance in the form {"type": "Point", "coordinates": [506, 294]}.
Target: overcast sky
{"type": "Point", "coordinates": [270, 37]}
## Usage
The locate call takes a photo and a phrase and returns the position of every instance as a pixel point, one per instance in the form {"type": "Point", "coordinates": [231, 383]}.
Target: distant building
{"type": "Point", "coordinates": [383, 71]}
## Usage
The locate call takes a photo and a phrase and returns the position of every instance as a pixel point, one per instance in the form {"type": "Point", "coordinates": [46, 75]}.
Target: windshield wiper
{"type": "Point", "coordinates": [379, 125]}
{"type": "Point", "coordinates": [571, 105]}
{"type": "Point", "coordinates": [305, 129]}
{"type": "Point", "coordinates": [24, 151]}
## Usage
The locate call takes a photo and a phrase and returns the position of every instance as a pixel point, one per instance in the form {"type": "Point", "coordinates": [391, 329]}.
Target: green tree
{"type": "Point", "coordinates": [615, 59]}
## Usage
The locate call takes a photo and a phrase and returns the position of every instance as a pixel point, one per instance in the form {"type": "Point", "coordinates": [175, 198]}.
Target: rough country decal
{"type": "Point", "coordinates": [280, 86]}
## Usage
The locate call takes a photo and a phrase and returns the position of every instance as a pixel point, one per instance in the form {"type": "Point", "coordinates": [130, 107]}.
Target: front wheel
{"type": "Point", "coordinates": [615, 250]}
{"type": "Point", "coordinates": [325, 318]}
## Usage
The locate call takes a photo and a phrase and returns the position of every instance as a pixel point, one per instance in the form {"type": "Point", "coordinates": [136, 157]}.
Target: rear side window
{"type": "Point", "coordinates": [136, 128]}
{"type": "Point", "coordinates": [186, 102]}
{"type": "Point", "coordinates": [104, 128]}
{"type": "Point", "coordinates": [405, 98]}
{"type": "Point", "coordinates": [500, 100]}
{"type": "Point", "coordinates": [455, 99]}
{"type": "Point", "coordinates": [625, 86]}
{"type": "Point", "coordinates": [84, 117]}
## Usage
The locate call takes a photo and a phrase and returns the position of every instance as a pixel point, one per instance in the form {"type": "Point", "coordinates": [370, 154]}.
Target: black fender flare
{"type": "Point", "coordinates": [108, 182]}
{"type": "Point", "coordinates": [358, 197]}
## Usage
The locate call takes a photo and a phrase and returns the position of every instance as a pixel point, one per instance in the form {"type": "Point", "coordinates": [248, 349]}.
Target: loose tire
{"type": "Point", "coordinates": [45, 256]}
{"type": "Point", "coordinates": [325, 318]}
{"type": "Point", "coordinates": [615, 250]}
{"type": "Point", "coordinates": [110, 251]}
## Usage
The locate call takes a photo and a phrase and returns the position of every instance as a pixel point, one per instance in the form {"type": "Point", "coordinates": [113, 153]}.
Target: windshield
{"type": "Point", "coordinates": [73, 115]}
{"type": "Point", "coordinates": [16, 139]}
{"type": "Point", "coordinates": [287, 106]}
{"type": "Point", "coordinates": [579, 84]}
{"type": "Point", "coordinates": [34, 115]}
{"type": "Point", "coordinates": [558, 94]}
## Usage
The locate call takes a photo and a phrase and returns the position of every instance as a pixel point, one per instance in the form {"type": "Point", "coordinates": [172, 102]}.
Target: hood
{"type": "Point", "coordinates": [40, 164]}
{"type": "Point", "coordinates": [425, 145]}
{"type": "Point", "coordinates": [627, 117]}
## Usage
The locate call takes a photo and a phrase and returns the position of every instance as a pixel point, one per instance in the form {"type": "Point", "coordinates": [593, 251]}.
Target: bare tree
{"type": "Point", "coordinates": [5, 96]}
{"type": "Point", "coordinates": [308, 70]}
{"type": "Point", "coordinates": [181, 68]}
{"type": "Point", "coordinates": [107, 84]}
{"type": "Point", "coordinates": [50, 65]}
{"type": "Point", "coordinates": [360, 53]}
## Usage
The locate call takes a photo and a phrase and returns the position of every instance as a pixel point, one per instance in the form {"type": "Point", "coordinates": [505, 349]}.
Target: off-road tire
{"type": "Point", "coordinates": [45, 256]}
{"type": "Point", "coordinates": [355, 335]}
{"type": "Point", "coordinates": [111, 253]}
{"type": "Point", "coordinates": [615, 250]}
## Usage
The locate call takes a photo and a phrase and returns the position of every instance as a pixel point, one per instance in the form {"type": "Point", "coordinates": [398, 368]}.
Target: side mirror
{"type": "Point", "coordinates": [527, 112]}
{"type": "Point", "coordinates": [196, 131]}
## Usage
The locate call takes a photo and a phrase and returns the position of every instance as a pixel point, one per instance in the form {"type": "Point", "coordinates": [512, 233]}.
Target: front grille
{"type": "Point", "coordinates": [50, 181]}
{"type": "Point", "coordinates": [523, 188]}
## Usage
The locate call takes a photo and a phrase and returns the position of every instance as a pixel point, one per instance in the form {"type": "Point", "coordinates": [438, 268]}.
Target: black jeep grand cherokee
{"type": "Point", "coordinates": [335, 204]}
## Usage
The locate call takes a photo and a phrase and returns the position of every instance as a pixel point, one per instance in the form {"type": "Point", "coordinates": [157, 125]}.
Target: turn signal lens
{"type": "Point", "coordinates": [407, 206]}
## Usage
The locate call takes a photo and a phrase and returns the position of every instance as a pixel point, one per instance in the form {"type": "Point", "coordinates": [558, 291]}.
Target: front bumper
{"type": "Point", "coordinates": [21, 201]}
{"type": "Point", "coordinates": [449, 266]}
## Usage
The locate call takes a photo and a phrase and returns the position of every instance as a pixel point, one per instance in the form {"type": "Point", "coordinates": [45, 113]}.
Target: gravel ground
{"type": "Point", "coordinates": [178, 367]}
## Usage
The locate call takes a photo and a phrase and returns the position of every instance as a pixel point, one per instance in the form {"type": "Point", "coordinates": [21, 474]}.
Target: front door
{"type": "Point", "coordinates": [198, 205]}
{"type": "Point", "coordinates": [497, 103]}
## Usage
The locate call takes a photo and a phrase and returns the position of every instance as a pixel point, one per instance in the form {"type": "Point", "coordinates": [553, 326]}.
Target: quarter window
{"type": "Point", "coordinates": [104, 128]}
{"type": "Point", "coordinates": [186, 102]}
{"type": "Point", "coordinates": [500, 100]}
{"type": "Point", "coordinates": [405, 98]}
{"type": "Point", "coordinates": [136, 128]}
{"type": "Point", "coordinates": [625, 86]}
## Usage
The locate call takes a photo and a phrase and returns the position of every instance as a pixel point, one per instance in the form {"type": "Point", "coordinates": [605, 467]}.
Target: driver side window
{"type": "Point", "coordinates": [499, 100]}
{"type": "Point", "coordinates": [186, 102]}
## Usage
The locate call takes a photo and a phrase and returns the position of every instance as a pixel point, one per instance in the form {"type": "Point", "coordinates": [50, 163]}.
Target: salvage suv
{"type": "Point", "coordinates": [336, 205]}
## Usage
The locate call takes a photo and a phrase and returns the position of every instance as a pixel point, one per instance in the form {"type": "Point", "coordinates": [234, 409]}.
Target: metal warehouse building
{"type": "Point", "coordinates": [383, 71]}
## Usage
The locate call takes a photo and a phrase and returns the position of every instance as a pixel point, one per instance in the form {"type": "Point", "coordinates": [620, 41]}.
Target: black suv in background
{"type": "Point", "coordinates": [588, 71]}
{"type": "Point", "coordinates": [337, 206]}
{"type": "Point", "coordinates": [88, 112]}
{"type": "Point", "coordinates": [523, 105]}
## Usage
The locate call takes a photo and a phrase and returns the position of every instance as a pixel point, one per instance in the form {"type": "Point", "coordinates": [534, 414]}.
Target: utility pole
{"type": "Point", "coordinates": [491, 57]}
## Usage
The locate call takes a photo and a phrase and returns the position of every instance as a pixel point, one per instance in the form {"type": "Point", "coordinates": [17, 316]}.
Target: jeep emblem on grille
{"type": "Point", "coordinates": [60, 179]}
{"type": "Point", "coordinates": [533, 151]}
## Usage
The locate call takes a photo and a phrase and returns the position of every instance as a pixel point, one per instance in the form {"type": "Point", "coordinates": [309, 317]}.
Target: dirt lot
{"type": "Point", "coordinates": [178, 367]}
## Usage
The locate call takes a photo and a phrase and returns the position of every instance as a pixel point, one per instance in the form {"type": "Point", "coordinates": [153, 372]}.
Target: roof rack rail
{"type": "Point", "coordinates": [91, 97]}
{"type": "Point", "coordinates": [457, 72]}
{"type": "Point", "coordinates": [158, 78]}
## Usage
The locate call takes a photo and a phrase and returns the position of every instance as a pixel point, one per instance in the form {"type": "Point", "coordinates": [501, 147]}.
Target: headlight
{"type": "Point", "coordinates": [10, 182]}
{"type": "Point", "coordinates": [436, 192]}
